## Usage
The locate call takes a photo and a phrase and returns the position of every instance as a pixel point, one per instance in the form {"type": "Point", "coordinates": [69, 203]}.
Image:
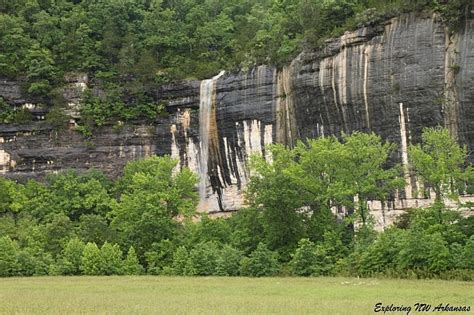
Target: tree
{"type": "Point", "coordinates": [228, 262]}
{"type": "Point", "coordinates": [304, 258]}
{"type": "Point", "coordinates": [320, 169]}
{"type": "Point", "coordinates": [78, 194]}
{"type": "Point", "coordinates": [91, 260]}
{"type": "Point", "coordinates": [440, 162]}
{"type": "Point", "coordinates": [152, 196]}
{"type": "Point", "coordinates": [159, 256]}
{"type": "Point", "coordinates": [261, 262]}
{"type": "Point", "coordinates": [12, 196]}
{"type": "Point", "coordinates": [40, 69]}
{"type": "Point", "coordinates": [424, 251]}
{"type": "Point", "coordinates": [110, 259]}
{"type": "Point", "coordinates": [209, 229]}
{"type": "Point", "coordinates": [272, 190]}
{"type": "Point", "coordinates": [180, 260]}
{"type": "Point", "coordinates": [246, 229]}
{"type": "Point", "coordinates": [468, 254]}
{"type": "Point", "coordinates": [33, 261]}
{"type": "Point", "coordinates": [94, 228]}
{"type": "Point", "coordinates": [367, 173]}
{"type": "Point", "coordinates": [14, 41]}
{"type": "Point", "coordinates": [71, 256]}
{"type": "Point", "coordinates": [302, 185]}
{"type": "Point", "coordinates": [131, 265]}
{"type": "Point", "coordinates": [56, 229]}
{"type": "Point", "coordinates": [8, 257]}
{"type": "Point", "coordinates": [202, 259]}
{"type": "Point", "coordinates": [40, 201]}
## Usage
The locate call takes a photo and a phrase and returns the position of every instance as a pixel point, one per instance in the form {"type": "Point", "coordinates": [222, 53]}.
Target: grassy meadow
{"type": "Point", "coordinates": [215, 295]}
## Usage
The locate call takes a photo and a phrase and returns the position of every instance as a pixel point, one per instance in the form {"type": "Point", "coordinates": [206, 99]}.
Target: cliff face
{"type": "Point", "coordinates": [393, 79]}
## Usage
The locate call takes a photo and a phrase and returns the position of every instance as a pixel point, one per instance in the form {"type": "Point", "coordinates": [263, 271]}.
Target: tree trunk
{"type": "Point", "coordinates": [362, 210]}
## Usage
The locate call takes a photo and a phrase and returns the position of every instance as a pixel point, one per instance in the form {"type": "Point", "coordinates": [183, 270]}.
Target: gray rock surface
{"type": "Point", "coordinates": [409, 71]}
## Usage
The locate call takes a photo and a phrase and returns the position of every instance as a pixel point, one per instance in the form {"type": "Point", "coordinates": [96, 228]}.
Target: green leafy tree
{"type": "Point", "coordinates": [228, 262]}
{"type": "Point", "coordinates": [40, 69]}
{"type": "Point", "coordinates": [91, 260]}
{"type": "Point", "coordinates": [7, 225]}
{"type": "Point", "coordinates": [159, 256]}
{"type": "Point", "coordinates": [321, 172]}
{"type": "Point", "coordinates": [94, 228]}
{"type": "Point", "coordinates": [40, 201]}
{"type": "Point", "coordinates": [423, 251]}
{"type": "Point", "coordinates": [209, 229]}
{"type": "Point", "coordinates": [328, 253]}
{"type": "Point", "coordinates": [382, 254]}
{"type": "Point", "coordinates": [202, 259]}
{"type": "Point", "coordinates": [71, 257]}
{"type": "Point", "coordinates": [56, 229]}
{"type": "Point", "coordinates": [152, 197]}
{"type": "Point", "coordinates": [33, 261]}
{"type": "Point", "coordinates": [77, 195]}
{"type": "Point", "coordinates": [8, 257]}
{"type": "Point", "coordinates": [110, 259]}
{"type": "Point", "coordinates": [14, 40]}
{"type": "Point", "coordinates": [180, 260]}
{"type": "Point", "coordinates": [261, 262]}
{"type": "Point", "coordinates": [304, 258]}
{"type": "Point", "coordinates": [12, 196]}
{"type": "Point", "coordinates": [366, 170]}
{"type": "Point", "coordinates": [272, 190]}
{"type": "Point", "coordinates": [440, 162]}
{"type": "Point", "coordinates": [468, 254]}
{"type": "Point", "coordinates": [131, 265]}
{"type": "Point", "coordinates": [246, 229]}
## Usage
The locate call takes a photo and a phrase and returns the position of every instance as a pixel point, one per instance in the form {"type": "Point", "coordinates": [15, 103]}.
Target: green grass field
{"type": "Point", "coordinates": [213, 295]}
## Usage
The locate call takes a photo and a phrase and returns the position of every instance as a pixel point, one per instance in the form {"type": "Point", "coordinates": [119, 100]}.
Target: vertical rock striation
{"type": "Point", "coordinates": [393, 79]}
{"type": "Point", "coordinates": [236, 117]}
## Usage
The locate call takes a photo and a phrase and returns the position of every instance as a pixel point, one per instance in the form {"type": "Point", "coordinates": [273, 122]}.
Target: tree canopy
{"type": "Point", "coordinates": [440, 162]}
{"type": "Point", "coordinates": [145, 221]}
{"type": "Point", "coordinates": [163, 40]}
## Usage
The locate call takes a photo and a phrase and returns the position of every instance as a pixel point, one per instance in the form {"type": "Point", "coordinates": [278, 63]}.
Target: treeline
{"type": "Point", "coordinates": [129, 48]}
{"type": "Point", "coordinates": [145, 220]}
{"type": "Point", "coordinates": [146, 42]}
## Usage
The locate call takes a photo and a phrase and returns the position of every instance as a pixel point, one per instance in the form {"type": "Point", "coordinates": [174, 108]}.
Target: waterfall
{"type": "Point", "coordinates": [285, 120]}
{"type": "Point", "coordinates": [206, 100]}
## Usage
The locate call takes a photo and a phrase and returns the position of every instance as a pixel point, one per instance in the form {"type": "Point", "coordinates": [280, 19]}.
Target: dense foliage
{"type": "Point", "coordinates": [128, 48]}
{"type": "Point", "coordinates": [145, 221]}
{"type": "Point", "coordinates": [162, 40]}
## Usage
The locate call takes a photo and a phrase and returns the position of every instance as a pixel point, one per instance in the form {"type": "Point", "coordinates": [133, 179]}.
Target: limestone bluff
{"type": "Point", "coordinates": [393, 79]}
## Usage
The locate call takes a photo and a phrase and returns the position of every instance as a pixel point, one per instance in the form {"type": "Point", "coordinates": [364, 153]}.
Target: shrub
{"type": "Point", "coordinates": [180, 259]}
{"type": "Point", "coordinates": [424, 251]}
{"type": "Point", "coordinates": [8, 257]}
{"type": "Point", "coordinates": [202, 259]}
{"type": "Point", "coordinates": [110, 259]}
{"type": "Point", "coordinates": [91, 260]}
{"type": "Point", "coordinates": [159, 256]}
{"type": "Point", "coordinates": [131, 265]}
{"type": "Point", "coordinates": [468, 254]}
{"type": "Point", "coordinates": [228, 261]}
{"type": "Point", "coordinates": [382, 254]}
{"type": "Point", "coordinates": [70, 261]}
{"type": "Point", "coordinates": [304, 259]}
{"type": "Point", "coordinates": [56, 118]}
{"type": "Point", "coordinates": [33, 262]}
{"type": "Point", "coordinates": [261, 262]}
